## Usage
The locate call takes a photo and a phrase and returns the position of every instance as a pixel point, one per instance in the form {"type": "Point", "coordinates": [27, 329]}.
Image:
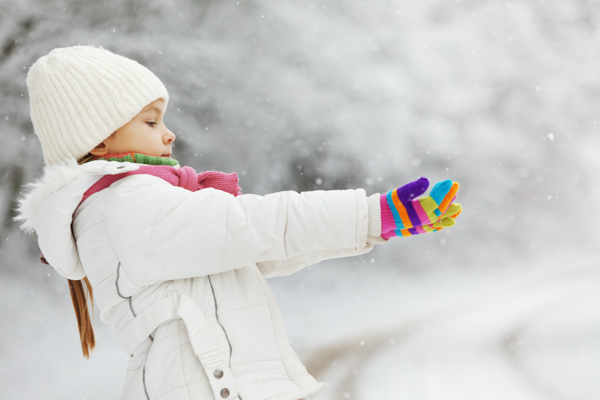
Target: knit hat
{"type": "Point", "coordinates": [80, 95]}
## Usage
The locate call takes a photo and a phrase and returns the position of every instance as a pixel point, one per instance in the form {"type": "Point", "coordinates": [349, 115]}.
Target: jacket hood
{"type": "Point", "coordinates": [47, 207]}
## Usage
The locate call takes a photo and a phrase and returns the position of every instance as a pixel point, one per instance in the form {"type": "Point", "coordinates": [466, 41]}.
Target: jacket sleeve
{"type": "Point", "coordinates": [274, 268]}
{"type": "Point", "coordinates": [160, 232]}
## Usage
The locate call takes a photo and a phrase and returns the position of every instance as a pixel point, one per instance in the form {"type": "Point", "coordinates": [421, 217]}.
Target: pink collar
{"type": "Point", "coordinates": [184, 177]}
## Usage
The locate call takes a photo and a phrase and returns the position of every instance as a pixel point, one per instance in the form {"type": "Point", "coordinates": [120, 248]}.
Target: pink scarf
{"type": "Point", "coordinates": [184, 177]}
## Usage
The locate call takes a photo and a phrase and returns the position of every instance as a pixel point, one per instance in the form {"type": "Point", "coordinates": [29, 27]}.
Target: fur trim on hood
{"type": "Point", "coordinates": [48, 205]}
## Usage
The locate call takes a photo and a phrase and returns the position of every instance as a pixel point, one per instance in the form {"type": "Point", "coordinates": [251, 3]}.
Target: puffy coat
{"type": "Point", "coordinates": [180, 275]}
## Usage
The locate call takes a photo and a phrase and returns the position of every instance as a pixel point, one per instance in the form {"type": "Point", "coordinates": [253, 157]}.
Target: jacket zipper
{"type": "Point", "coordinates": [134, 315]}
{"type": "Point", "coordinates": [218, 322]}
{"type": "Point", "coordinates": [217, 317]}
{"type": "Point", "coordinates": [144, 381]}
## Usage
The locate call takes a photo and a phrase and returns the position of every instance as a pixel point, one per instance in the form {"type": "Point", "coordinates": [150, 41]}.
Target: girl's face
{"type": "Point", "coordinates": [145, 133]}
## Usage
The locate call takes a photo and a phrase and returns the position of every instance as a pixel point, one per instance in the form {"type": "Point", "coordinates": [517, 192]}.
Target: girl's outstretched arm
{"type": "Point", "coordinates": [160, 232]}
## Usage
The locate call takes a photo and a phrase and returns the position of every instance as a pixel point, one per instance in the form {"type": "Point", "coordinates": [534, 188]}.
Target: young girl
{"type": "Point", "coordinates": [177, 261]}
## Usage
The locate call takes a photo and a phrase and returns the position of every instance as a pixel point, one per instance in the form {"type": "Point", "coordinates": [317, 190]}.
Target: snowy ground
{"type": "Point", "coordinates": [522, 332]}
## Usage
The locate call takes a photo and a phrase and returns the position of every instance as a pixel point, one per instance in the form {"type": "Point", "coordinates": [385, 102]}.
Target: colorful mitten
{"type": "Point", "coordinates": [403, 214]}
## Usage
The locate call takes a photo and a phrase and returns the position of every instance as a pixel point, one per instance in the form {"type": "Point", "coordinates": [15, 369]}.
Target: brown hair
{"type": "Point", "coordinates": [85, 158]}
{"type": "Point", "coordinates": [80, 304]}
{"type": "Point", "coordinates": [82, 313]}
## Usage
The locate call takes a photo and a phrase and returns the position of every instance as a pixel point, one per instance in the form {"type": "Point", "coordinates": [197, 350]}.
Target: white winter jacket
{"type": "Point", "coordinates": [180, 275]}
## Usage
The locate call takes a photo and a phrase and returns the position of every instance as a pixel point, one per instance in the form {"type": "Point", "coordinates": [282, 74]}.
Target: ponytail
{"type": "Point", "coordinates": [82, 313]}
{"type": "Point", "coordinates": [84, 323]}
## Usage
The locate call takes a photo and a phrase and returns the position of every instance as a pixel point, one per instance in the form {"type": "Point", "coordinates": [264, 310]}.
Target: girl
{"type": "Point", "coordinates": [177, 261]}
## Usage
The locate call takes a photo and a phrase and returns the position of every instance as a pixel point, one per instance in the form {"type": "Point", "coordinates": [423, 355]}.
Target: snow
{"type": "Point", "coordinates": [456, 335]}
{"type": "Point", "coordinates": [501, 97]}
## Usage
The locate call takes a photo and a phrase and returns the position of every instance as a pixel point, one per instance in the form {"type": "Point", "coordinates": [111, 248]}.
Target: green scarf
{"type": "Point", "coordinates": [137, 158]}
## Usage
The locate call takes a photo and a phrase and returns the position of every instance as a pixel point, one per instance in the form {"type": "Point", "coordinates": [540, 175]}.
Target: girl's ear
{"type": "Point", "coordinates": [100, 150]}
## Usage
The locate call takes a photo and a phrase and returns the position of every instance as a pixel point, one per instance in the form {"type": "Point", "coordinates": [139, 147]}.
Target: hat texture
{"type": "Point", "coordinates": [80, 95]}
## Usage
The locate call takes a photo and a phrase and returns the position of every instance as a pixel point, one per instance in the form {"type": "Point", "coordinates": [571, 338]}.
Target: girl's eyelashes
{"type": "Point", "coordinates": [151, 123]}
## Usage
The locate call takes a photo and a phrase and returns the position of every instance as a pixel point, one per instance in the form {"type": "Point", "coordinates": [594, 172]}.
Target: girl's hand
{"type": "Point", "coordinates": [403, 214]}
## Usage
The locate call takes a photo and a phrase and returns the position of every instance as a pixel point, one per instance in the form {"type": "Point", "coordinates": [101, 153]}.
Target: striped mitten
{"type": "Point", "coordinates": [403, 214]}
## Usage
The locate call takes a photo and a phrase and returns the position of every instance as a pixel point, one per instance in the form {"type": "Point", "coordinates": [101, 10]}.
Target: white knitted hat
{"type": "Point", "coordinates": [80, 95]}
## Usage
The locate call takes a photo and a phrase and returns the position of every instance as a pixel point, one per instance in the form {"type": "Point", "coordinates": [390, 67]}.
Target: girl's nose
{"type": "Point", "coordinates": [169, 137]}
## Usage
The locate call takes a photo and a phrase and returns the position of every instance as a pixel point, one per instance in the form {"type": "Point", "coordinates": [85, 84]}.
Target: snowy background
{"type": "Point", "coordinates": [501, 96]}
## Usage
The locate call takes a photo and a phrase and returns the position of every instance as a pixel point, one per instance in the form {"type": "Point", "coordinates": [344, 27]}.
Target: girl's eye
{"type": "Point", "coordinates": [151, 123]}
